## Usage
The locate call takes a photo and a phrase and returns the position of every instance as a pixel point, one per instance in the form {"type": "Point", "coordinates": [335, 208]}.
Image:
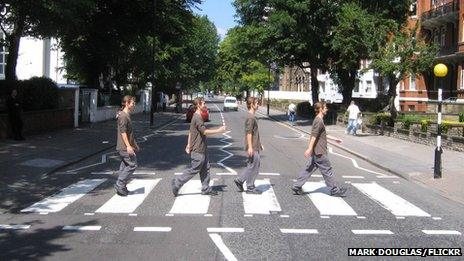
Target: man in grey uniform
{"type": "Point", "coordinates": [317, 153]}
{"type": "Point", "coordinates": [126, 146]}
{"type": "Point", "coordinates": [253, 147]}
{"type": "Point", "coordinates": [196, 147]}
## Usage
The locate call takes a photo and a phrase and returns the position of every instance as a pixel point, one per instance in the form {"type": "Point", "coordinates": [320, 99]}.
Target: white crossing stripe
{"type": "Point", "coordinates": [326, 204]}
{"type": "Point", "coordinates": [441, 232]}
{"type": "Point", "coordinates": [82, 228]}
{"type": "Point", "coordinates": [263, 203]}
{"type": "Point", "coordinates": [298, 231]}
{"type": "Point", "coordinates": [225, 230]}
{"type": "Point", "coordinates": [14, 227]}
{"type": "Point", "coordinates": [353, 177]}
{"type": "Point", "coordinates": [190, 200]}
{"type": "Point", "coordinates": [222, 247]}
{"type": "Point", "coordinates": [372, 232]}
{"type": "Point", "coordinates": [152, 229]}
{"type": "Point", "coordinates": [139, 190]}
{"type": "Point", "coordinates": [67, 196]}
{"type": "Point", "coordinates": [390, 201]}
{"type": "Point", "coordinates": [137, 172]}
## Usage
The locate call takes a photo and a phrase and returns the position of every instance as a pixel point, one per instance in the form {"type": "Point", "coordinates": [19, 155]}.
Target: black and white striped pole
{"type": "Point", "coordinates": [440, 70]}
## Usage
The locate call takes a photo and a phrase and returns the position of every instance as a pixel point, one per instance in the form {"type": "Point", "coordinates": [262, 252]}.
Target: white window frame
{"type": "Point", "coordinates": [461, 86]}
{"type": "Point", "coordinates": [368, 86]}
{"type": "Point", "coordinates": [3, 53]}
{"type": "Point", "coordinates": [412, 83]}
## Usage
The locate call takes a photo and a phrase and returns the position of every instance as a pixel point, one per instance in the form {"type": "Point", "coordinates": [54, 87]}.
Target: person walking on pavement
{"type": "Point", "coordinates": [353, 115]}
{"type": "Point", "coordinates": [291, 113]}
{"type": "Point", "coordinates": [14, 115]}
{"type": "Point", "coordinates": [126, 146]}
{"type": "Point", "coordinates": [317, 154]}
{"type": "Point", "coordinates": [197, 148]}
{"type": "Point", "coordinates": [253, 147]}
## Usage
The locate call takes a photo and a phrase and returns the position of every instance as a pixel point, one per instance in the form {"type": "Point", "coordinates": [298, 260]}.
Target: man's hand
{"type": "Point", "coordinates": [250, 152]}
{"type": "Point", "coordinates": [187, 149]}
{"type": "Point", "coordinates": [130, 150]}
{"type": "Point", "coordinates": [337, 140]}
{"type": "Point", "coordinates": [222, 129]}
{"type": "Point", "coordinates": [308, 153]}
{"type": "Point", "coordinates": [262, 147]}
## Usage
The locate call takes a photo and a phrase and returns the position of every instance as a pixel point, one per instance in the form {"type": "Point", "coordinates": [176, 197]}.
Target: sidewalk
{"type": "Point", "coordinates": [409, 160]}
{"type": "Point", "coordinates": [43, 154]}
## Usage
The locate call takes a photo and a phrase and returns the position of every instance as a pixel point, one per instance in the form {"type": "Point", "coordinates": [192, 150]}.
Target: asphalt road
{"type": "Point", "coordinates": [75, 215]}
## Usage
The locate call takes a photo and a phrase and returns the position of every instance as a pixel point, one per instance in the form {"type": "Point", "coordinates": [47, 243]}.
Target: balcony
{"type": "Point", "coordinates": [446, 13]}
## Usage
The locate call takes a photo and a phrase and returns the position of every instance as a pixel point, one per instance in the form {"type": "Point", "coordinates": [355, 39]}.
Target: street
{"type": "Point", "coordinates": [74, 214]}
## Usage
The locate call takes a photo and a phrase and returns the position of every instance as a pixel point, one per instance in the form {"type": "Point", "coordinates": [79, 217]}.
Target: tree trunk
{"type": "Point", "coordinates": [348, 80]}
{"type": "Point", "coordinates": [392, 95]}
{"type": "Point", "coordinates": [314, 85]}
{"type": "Point", "coordinates": [13, 49]}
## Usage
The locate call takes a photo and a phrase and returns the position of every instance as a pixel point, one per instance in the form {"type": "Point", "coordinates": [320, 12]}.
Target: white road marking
{"type": "Point", "coordinates": [353, 177]}
{"type": "Point", "coordinates": [263, 203]}
{"type": "Point", "coordinates": [436, 218]}
{"type": "Point", "coordinates": [355, 164]}
{"type": "Point", "coordinates": [208, 215]}
{"type": "Point", "coordinates": [137, 172]}
{"type": "Point", "coordinates": [14, 227]}
{"type": "Point", "coordinates": [361, 217]}
{"type": "Point", "coordinates": [139, 190]}
{"type": "Point", "coordinates": [222, 247]}
{"type": "Point", "coordinates": [325, 217]}
{"type": "Point", "coordinates": [400, 217]}
{"type": "Point", "coordinates": [227, 144]}
{"type": "Point", "coordinates": [89, 214]}
{"type": "Point", "coordinates": [326, 204]}
{"type": "Point", "coordinates": [225, 230]}
{"type": "Point", "coordinates": [132, 214]}
{"type": "Point", "coordinates": [372, 232]}
{"type": "Point", "coordinates": [152, 229]}
{"type": "Point", "coordinates": [298, 231]}
{"type": "Point", "coordinates": [284, 216]}
{"type": "Point", "coordinates": [67, 196]}
{"type": "Point", "coordinates": [269, 174]}
{"type": "Point", "coordinates": [82, 228]}
{"type": "Point", "coordinates": [441, 232]}
{"type": "Point", "coordinates": [190, 200]}
{"type": "Point", "coordinates": [248, 215]}
{"type": "Point", "coordinates": [390, 201]}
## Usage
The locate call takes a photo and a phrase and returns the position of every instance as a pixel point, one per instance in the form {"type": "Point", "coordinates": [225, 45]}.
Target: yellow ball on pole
{"type": "Point", "coordinates": [440, 70]}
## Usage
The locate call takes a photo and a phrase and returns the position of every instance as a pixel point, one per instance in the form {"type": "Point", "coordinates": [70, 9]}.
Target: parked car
{"type": "Point", "coordinates": [230, 103]}
{"type": "Point", "coordinates": [191, 110]}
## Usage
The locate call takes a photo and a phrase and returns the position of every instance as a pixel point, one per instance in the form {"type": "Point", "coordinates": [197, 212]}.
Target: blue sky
{"type": "Point", "coordinates": [220, 12]}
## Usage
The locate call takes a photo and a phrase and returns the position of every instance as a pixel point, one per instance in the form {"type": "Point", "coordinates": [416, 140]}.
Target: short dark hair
{"type": "Point", "coordinates": [126, 99]}
{"type": "Point", "coordinates": [197, 101]}
{"type": "Point", "coordinates": [318, 106]}
{"type": "Point", "coordinates": [250, 101]}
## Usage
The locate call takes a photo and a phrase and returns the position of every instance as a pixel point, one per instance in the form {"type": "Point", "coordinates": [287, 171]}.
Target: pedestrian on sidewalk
{"type": "Point", "coordinates": [126, 146]}
{"type": "Point", "coordinates": [197, 148]}
{"type": "Point", "coordinates": [14, 115]}
{"type": "Point", "coordinates": [353, 116]}
{"type": "Point", "coordinates": [291, 113]}
{"type": "Point", "coordinates": [253, 147]}
{"type": "Point", "coordinates": [317, 154]}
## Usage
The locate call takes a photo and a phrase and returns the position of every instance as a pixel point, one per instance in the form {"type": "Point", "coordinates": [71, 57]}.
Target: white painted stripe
{"type": "Point", "coordinates": [222, 247]}
{"type": "Point", "coordinates": [67, 196]}
{"type": "Point", "coordinates": [190, 200]}
{"type": "Point", "coordinates": [269, 174]}
{"type": "Point", "coordinates": [316, 175]}
{"type": "Point", "coordinates": [43, 213]}
{"type": "Point", "coordinates": [139, 190]}
{"type": "Point", "coordinates": [298, 231]}
{"type": "Point", "coordinates": [353, 177]}
{"type": "Point", "coordinates": [226, 174]}
{"type": "Point", "coordinates": [263, 203]}
{"type": "Point", "coordinates": [441, 232]}
{"type": "Point", "coordinates": [132, 214]}
{"type": "Point", "coordinates": [400, 217]}
{"type": "Point", "coordinates": [355, 163]}
{"type": "Point", "coordinates": [89, 214]}
{"type": "Point", "coordinates": [137, 172]}
{"type": "Point", "coordinates": [436, 218]}
{"type": "Point", "coordinates": [14, 227]}
{"type": "Point", "coordinates": [248, 215]}
{"type": "Point", "coordinates": [284, 216]}
{"type": "Point", "coordinates": [169, 215]}
{"type": "Point", "coordinates": [225, 230]}
{"type": "Point", "coordinates": [372, 232]}
{"type": "Point", "coordinates": [208, 215]}
{"type": "Point", "coordinates": [361, 217]}
{"type": "Point", "coordinates": [178, 173]}
{"type": "Point", "coordinates": [325, 217]}
{"type": "Point", "coordinates": [82, 228]}
{"type": "Point", "coordinates": [152, 229]}
{"type": "Point", "coordinates": [326, 204]}
{"type": "Point", "coordinates": [390, 201]}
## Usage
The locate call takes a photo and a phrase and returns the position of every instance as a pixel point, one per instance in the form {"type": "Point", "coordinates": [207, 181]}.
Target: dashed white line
{"type": "Point", "coordinates": [14, 227]}
{"type": "Point", "coordinates": [441, 232]}
{"type": "Point", "coordinates": [372, 232]}
{"type": "Point", "coordinates": [82, 228]}
{"type": "Point", "coordinates": [298, 231]}
{"type": "Point", "coordinates": [436, 218]}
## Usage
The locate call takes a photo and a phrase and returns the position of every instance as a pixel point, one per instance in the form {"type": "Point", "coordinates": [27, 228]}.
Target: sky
{"type": "Point", "coordinates": [220, 12]}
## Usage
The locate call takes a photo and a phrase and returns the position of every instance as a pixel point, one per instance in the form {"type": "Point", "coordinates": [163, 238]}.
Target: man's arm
{"type": "Point", "coordinates": [249, 138]}
{"type": "Point", "coordinates": [214, 131]}
{"type": "Point", "coordinates": [187, 148]}
{"type": "Point", "coordinates": [130, 150]}
{"type": "Point", "coordinates": [309, 151]}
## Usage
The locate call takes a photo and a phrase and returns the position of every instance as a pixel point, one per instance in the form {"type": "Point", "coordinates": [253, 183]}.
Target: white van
{"type": "Point", "coordinates": [230, 103]}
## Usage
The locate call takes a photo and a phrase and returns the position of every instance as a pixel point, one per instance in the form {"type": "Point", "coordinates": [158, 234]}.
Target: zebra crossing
{"type": "Point", "coordinates": [191, 202]}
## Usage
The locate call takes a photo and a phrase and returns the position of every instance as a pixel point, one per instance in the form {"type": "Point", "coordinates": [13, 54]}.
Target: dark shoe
{"type": "Point", "coordinates": [297, 191]}
{"type": "Point", "coordinates": [175, 189]}
{"type": "Point", "coordinates": [121, 191]}
{"type": "Point", "coordinates": [209, 192]}
{"type": "Point", "coordinates": [338, 192]}
{"type": "Point", "coordinates": [253, 191]}
{"type": "Point", "coordinates": [239, 185]}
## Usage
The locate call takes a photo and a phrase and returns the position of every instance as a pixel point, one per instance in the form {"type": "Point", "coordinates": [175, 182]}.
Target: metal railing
{"type": "Point", "coordinates": [441, 10]}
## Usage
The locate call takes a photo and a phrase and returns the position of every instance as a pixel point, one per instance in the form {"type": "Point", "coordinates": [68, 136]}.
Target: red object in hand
{"type": "Point", "coordinates": [191, 110]}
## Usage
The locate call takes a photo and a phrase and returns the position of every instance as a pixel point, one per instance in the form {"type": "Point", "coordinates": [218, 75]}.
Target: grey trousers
{"type": "Point", "coordinates": [321, 162]}
{"type": "Point", "coordinates": [127, 167]}
{"type": "Point", "coordinates": [252, 170]}
{"type": "Point", "coordinates": [200, 164]}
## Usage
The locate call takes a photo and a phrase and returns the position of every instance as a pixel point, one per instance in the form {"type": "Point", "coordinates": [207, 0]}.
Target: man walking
{"type": "Point", "coordinates": [317, 153]}
{"type": "Point", "coordinates": [291, 113]}
{"type": "Point", "coordinates": [253, 147]}
{"type": "Point", "coordinates": [353, 114]}
{"type": "Point", "coordinates": [126, 146]}
{"type": "Point", "coordinates": [197, 148]}
{"type": "Point", "coordinates": [14, 115]}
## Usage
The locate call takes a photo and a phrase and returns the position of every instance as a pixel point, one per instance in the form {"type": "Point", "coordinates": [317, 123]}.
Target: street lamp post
{"type": "Point", "coordinates": [268, 89]}
{"type": "Point", "coordinates": [440, 70]}
{"type": "Point", "coordinates": [152, 107]}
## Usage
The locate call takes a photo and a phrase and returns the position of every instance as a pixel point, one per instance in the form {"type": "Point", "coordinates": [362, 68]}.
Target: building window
{"type": "Point", "coordinates": [443, 37]}
{"type": "Point", "coordinates": [3, 56]}
{"type": "Point", "coordinates": [413, 8]}
{"type": "Point", "coordinates": [411, 108]}
{"type": "Point", "coordinates": [412, 83]}
{"type": "Point", "coordinates": [356, 86]}
{"type": "Point", "coordinates": [461, 86]}
{"type": "Point", "coordinates": [368, 86]}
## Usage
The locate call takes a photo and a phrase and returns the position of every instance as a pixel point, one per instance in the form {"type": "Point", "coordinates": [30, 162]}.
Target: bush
{"type": "Point", "coordinates": [305, 109]}
{"type": "Point", "coordinates": [461, 116]}
{"type": "Point", "coordinates": [380, 117]}
{"type": "Point", "coordinates": [37, 93]}
{"type": "Point", "coordinates": [424, 125]}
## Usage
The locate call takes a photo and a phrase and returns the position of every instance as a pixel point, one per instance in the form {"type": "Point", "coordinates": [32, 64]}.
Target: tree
{"type": "Point", "coordinates": [406, 53]}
